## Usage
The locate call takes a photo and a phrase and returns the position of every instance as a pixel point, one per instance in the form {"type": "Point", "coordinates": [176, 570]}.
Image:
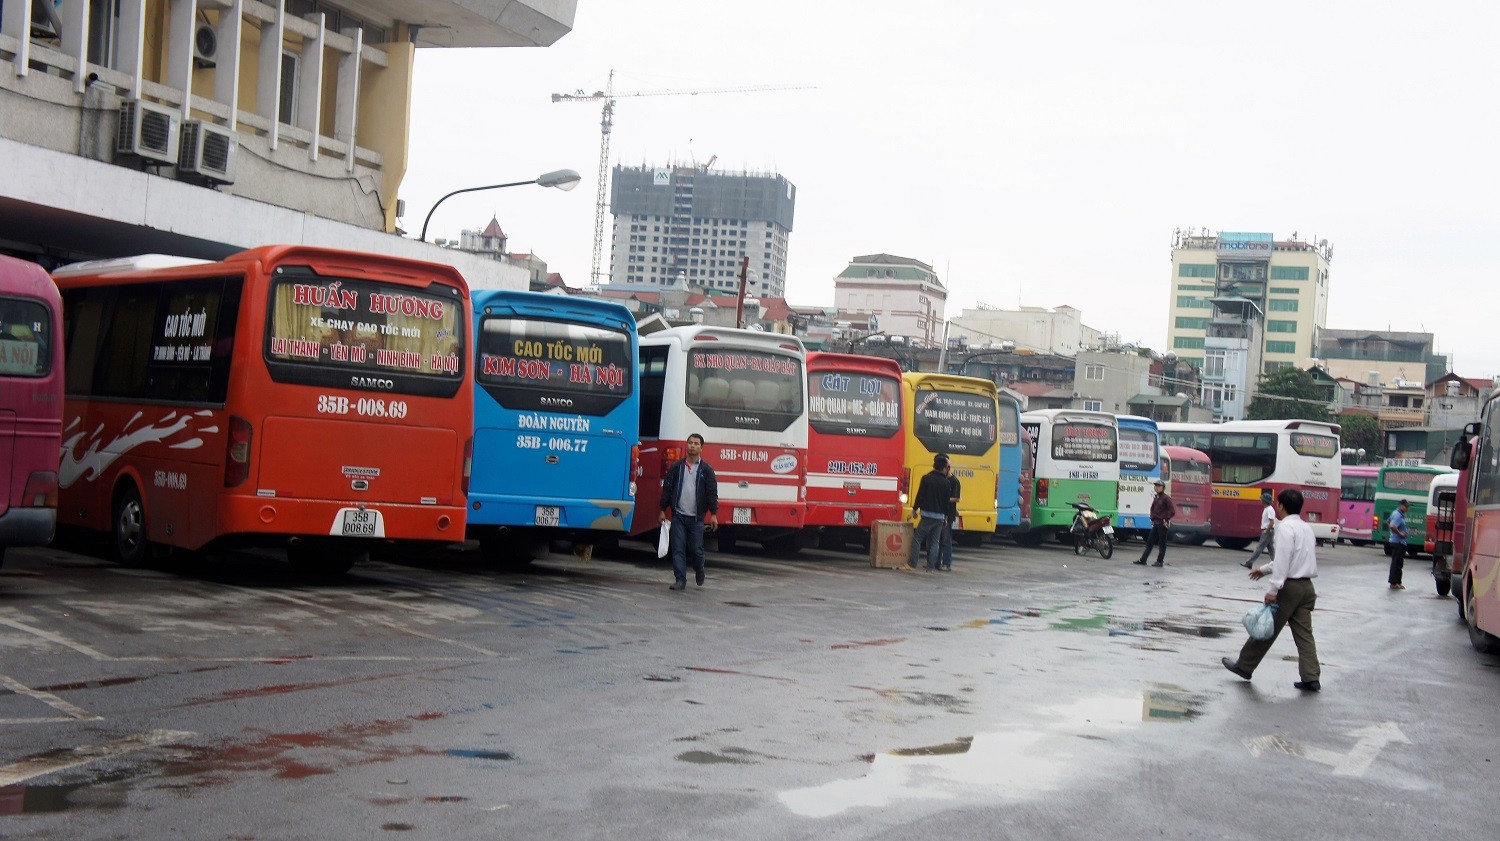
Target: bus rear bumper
{"type": "Point", "coordinates": [27, 526]}
{"type": "Point", "coordinates": [246, 518]}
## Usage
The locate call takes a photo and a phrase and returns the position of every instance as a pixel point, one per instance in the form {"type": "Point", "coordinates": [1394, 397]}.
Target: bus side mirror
{"type": "Point", "coordinates": [1459, 460]}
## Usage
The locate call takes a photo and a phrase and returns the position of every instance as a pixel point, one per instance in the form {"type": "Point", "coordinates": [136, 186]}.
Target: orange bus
{"type": "Point", "coordinates": [306, 398]}
{"type": "Point", "coordinates": [855, 446]}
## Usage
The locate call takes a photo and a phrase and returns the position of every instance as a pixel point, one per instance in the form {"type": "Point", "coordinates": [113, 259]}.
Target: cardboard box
{"type": "Point", "coordinates": [890, 543]}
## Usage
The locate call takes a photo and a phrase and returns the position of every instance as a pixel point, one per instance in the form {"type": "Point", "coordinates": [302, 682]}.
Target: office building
{"type": "Point", "coordinates": [1286, 280]}
{"type": "Point", "coordinates": [686, 226]}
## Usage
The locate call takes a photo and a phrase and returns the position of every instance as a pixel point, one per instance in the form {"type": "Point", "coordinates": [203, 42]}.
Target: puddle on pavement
{"type": "Point", "coordinates": [1020, 762]}
{"type": "Point", "coordinates": [866, 643]}
{"type": "Point", "coordinates": [100, 793]}
{"type": "Point", "coordinates": [481, 754]}
{"type": "Point", "coordinates": [727, 756]}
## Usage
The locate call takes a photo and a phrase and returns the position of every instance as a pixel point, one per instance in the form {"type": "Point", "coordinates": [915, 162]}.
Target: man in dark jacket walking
{"type": "Point", "coordinates": [931, 509]}
{"type": "Point", "coordinates": [1162, 514]}
{"type": "Point", "coordinates": [690, 490]}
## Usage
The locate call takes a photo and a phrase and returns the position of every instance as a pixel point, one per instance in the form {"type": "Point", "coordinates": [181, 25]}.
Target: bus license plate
{"type": "Point", "coordinates": [360, 522]}
{"type": "Point", "coordinates": [548, 515]}
{"type": "Point", "coordinates": [851, 518]}
{"type": "Point", "coordinates": [741, 516]}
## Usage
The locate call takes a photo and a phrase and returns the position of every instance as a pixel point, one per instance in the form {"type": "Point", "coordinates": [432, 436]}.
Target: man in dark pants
{"type": "Point", "coordinates": [945, 546]}
{"type": "Point", "coordinates": [1291, 570]}
{"type": "Point", "coordinates": [1396, 540]}
{"type": "Point", "coordinates": [1162, 514]}
{"type": "Point", "coordinates": [690, 489]}
{"type": "Point", "coordinates": [931, 510]}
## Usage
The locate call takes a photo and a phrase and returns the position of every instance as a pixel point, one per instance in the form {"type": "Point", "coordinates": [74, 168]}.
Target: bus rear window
{"type": "Point", "coordinates": [1407, 480]}
{"type": "Point", "coordinates": [1085, 442]}
{"type": "Point", "coordinates": [854, 404]}
{"type": "Point", "coordinates": [553, 365]}
{"type": "Point", "coordinates": [25, 338]}
{"type": "Point", "coordinates": [733, 388]}
{"type": "Point", "coordinates": [1137, 450]}
{"type": "Point", "coordinates": [954, 422]}
{"type": "Point", "coordinates": [364, 335]}
{"type": "Point", "coordinates": [1190, 472]}
{"type": "Point", "coordinates": [1318, 446]}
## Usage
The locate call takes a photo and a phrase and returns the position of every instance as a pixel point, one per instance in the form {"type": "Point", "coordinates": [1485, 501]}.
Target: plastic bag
{"type": "Point", "coordinates": [664, 541]}
{"type": "Point", "coordinates": [1261, 621]}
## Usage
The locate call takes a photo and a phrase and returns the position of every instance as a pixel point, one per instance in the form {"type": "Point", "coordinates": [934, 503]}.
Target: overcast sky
{"type": "Point", "coordinates": [1033, 153]}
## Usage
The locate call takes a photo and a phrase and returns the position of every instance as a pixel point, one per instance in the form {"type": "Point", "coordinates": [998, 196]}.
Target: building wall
{"type": "Point", "coordinates": [1111, 378]}
{"type": "Point", "coordinates": [1287, 279]}
{"type": "Point", "coordinates": [1058, 331]}
{"type": "Point", "coordinates": [671, 221]}
{"type": "Point", "coordinates": [906, 296]}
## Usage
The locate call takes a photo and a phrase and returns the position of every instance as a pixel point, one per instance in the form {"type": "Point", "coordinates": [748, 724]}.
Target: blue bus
{"type": "Point", "coordinates": [1008, 483]}
{"type": "Point", "coordinates": [556, 422]}
{"type": "Point", "coordinates": [1140, 467]}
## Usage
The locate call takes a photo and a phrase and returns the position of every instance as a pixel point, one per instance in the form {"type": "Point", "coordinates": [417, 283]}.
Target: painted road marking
{"type": "Point", "coordinates": [71, 712]}
{"type": "Point", "coordinates": [55, 638]}
{"type": "Point", "coordinates": [1369, 742]}
{"type": "Point", "coordinates": [20, 772]}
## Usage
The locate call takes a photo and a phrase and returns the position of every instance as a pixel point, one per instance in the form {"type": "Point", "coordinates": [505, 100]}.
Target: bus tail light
{"type": "Point", "coordinates": [635, 467]}
{"type": "Point", "coordinates": [237, 461]}
{"type": "Point", "coordinates": [904, 486]}
{"type": "Point", "coordinates": [669, 457]}
{"type": "Point", "coordinates": [1041, 493]}
{"type": "Point", "coordinates": [468, 464]}
{"type": "Point", "coordinates": [41, 489]}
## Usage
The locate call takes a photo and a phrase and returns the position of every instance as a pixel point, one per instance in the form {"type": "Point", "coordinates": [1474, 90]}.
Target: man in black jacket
{"type": "Point", "coordinates": [690, 490]}
{"type": "Point", "coordinates": [931, 509]}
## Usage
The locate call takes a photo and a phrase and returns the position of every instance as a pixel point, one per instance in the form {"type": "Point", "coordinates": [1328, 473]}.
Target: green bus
{"type": "Point", "coordinates": [1077, 459]}
{"type": "Point", "coordinates": [1401, 480]}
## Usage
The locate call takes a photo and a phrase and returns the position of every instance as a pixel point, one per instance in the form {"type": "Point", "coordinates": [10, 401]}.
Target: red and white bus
{"type": "Point", "coordinates": [308, 398]}
{"type": "Point", "coordinates": [1189, 476]}
{"type": "Point", "coordinates": [1478, 460]}
{"type": "Point", "coordinates": [1252, 456]}
{"type": "Point", "coordinates": [31, 399]}
{"type": "Point", "coordinates": [855, 446]}
{"type": "Point", "coordinates": [745, 392]}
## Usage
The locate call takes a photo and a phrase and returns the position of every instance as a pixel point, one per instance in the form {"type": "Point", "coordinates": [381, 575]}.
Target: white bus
{"type": "Point", "coordinates": [1251, 456]}
{"type": "Point", "coordinates": [1077, 459]}
{"type": "Point", "coordinates": [745, 392]}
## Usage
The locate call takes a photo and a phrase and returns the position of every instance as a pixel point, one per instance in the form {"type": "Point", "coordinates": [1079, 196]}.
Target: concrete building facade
{"type": "Point", "coordinates": [1059, 330]}
{"type": "Point", "coordinates": [687, 226]}
{"type": "Point", "coordinates": [1287, 280]}
{"type": "Point", "coordinates": [904, 295]}
{"type": "Point", "coordinates": [199, 128]}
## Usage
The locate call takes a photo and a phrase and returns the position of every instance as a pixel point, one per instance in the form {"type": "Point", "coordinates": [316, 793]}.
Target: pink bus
{"type": "Point", "coordinates": [1357, 502]}
{"type": "Point", "coordinates": [31, 403]}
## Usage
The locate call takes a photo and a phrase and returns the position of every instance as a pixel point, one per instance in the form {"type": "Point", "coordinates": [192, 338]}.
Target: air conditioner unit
{"type": "Point", "coordinates": [207, 152]}
{"type": "Point", "coordinates": [147, 131]}
{"type": "Point", "coordinates": [205, 45]}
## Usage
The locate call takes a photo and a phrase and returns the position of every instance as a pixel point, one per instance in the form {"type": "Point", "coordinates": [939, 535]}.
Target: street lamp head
{"type": "Point", "coordinates": [562, 179]}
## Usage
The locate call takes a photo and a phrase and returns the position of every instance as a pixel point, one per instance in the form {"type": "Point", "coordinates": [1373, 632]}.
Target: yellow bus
{"type": "Point", "coordinates": [957, 417]}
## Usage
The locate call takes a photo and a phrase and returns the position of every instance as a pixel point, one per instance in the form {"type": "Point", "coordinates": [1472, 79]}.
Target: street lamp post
{"type": "Point", "coordinates": [562, 179]}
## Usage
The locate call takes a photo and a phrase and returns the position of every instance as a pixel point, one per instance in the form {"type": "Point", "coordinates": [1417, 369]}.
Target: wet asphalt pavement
{"type": "Point", "coordinates": [1028, 694]}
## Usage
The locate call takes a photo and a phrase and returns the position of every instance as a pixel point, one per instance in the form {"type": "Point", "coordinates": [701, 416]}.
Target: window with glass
{"type": "Point", "coordinates": [954, 422]}
{"type": "Point", "coordinates": [1282, 305]}
{"type": "Point", "coordinates": [1080, 441]}
{"type": "Point", "coordinates": [1138, 450]}
{"type": "Point", "coordinates": [1093, 372]}
{"type": "Point", "coordinates": [1280, 347]}
{"type": "Point", "coordinates": [1213, 363]}
{"type": "Point", "coordinates": [732, 387]}
{"type": "Point", "coordinates": [1289, 273]}
{"type": "Point", "coordinates": [1195, 342]}
{"type": "Point", "coordinates": [854, 404]}
{"type": "Point", "coordinates": [1280, 326]}
{"type": "Point", "coordinates": [543, 364]}
{"type": "Point", "coordinates": [1357, 489]}
{"type": "Point", "coordinates": [1197, 270]}
{"type": "Point", "coordinates": [1186, 323]}
{"type": "Point", "coordinates": [25, 338]}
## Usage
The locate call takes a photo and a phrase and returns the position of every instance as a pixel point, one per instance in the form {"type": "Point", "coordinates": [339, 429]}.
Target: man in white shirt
{"type": "Point", "coordinates": [1267, 528]}
{"type": "Point", "coordinates": [1292, 568]}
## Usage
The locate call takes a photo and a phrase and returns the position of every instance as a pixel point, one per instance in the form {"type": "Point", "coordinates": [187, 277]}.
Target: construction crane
{"type": "Point", "coordinates": [606, 124]}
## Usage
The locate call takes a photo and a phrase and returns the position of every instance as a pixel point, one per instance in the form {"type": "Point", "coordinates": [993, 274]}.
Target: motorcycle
{"type": "Point", "coordinates": [1091, 531]}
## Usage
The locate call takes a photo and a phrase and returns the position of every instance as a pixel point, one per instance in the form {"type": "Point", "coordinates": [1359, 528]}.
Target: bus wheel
{"type": "Point", "coordinates": [1461, 598]}
{"type": "Point", "coordinates": [1235, 543]}
{"type": "Point", "coordinates": [325, 558]}
{"type": "Point", "coordinates": [785, 545]}
{"type": "Point", "coordinates": [131, 546]}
